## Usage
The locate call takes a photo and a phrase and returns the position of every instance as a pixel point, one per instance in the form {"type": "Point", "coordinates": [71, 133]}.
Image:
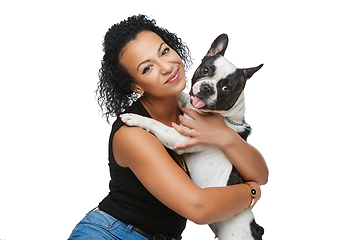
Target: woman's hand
{"type": "Point", "coordinates": [204, 129]}
{"type": "Point", "coordinates": [211, 130]}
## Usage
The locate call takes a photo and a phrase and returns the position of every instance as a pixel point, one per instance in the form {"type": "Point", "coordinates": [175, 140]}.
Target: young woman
{"type": "Point", "coordinates": [151, 194]}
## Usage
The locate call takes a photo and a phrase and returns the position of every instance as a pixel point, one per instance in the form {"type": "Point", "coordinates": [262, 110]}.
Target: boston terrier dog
{"type": "Point", "coordinates": [217, 86]}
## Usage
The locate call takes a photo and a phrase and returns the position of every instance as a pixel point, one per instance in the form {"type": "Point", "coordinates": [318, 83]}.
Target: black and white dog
{"type": "Point", "coordinates": [217, 86]}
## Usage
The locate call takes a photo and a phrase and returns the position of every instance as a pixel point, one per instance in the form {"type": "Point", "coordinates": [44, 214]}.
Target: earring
{"type": "Point", "coordinates": [141, 94]}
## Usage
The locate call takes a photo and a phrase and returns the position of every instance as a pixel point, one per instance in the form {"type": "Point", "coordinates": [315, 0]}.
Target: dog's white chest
{"type": "Point", "coordinates": [209, 168]}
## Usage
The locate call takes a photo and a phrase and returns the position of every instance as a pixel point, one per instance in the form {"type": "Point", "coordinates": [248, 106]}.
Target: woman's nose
{"type": "Point", "coordinates": [165, 67]}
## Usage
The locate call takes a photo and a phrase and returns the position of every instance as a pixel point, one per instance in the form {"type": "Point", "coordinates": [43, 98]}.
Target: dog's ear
{"type": "Point", "coordinates": [218, 46]}
{"type": "Point", "coordinates": [250, 71]}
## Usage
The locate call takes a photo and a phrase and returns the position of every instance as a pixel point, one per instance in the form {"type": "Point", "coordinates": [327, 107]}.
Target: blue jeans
{"type": "Point", "coordinates": [101, 226]}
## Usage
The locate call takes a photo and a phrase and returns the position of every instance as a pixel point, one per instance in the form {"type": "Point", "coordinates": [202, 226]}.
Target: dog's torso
{"type": "Point", "coordinates": [209, 167]}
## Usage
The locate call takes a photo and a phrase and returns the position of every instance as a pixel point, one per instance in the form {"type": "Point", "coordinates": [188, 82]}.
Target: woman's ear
{"type": "Point", "coordinates": [136, 89]}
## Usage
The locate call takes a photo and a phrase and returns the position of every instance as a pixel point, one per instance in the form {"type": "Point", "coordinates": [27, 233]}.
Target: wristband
{"type": "Point", "coordinates": [252, 194]}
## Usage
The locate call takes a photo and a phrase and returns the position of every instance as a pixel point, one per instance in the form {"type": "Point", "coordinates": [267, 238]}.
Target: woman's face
{"type": "Point", "coordinates": [157, 69]}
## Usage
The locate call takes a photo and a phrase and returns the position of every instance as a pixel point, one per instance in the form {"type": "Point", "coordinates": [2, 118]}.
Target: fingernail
{"type": "Point", "coordinates": [171, 124]}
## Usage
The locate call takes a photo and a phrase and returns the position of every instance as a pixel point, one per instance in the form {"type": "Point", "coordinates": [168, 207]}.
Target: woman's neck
{"type": "Point", "coordinates": [162, 110]}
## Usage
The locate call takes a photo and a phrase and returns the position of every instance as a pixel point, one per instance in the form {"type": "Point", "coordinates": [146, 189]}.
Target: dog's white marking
{"type": "Point", "coordinates": [223, 67]}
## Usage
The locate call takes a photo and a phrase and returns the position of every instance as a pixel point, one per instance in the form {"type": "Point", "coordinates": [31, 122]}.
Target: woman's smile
{"type": "Point", "coordinates": [153, 65]}
{"type": "Point", "coordinates": [174, 77]}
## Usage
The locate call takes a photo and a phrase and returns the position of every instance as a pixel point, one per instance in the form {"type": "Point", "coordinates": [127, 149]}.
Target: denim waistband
{"type": "Point", "coordinates": [148, 235]}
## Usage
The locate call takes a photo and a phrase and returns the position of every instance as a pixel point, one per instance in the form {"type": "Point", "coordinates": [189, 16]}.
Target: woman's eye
{"type": "Point", "coordinates": [166, 50]}
{"type": "Point", "coordinates": [147, 69]}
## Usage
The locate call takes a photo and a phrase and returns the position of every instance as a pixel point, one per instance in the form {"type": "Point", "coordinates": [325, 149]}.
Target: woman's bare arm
{"type": "Point", "coordinates": [148, 159]}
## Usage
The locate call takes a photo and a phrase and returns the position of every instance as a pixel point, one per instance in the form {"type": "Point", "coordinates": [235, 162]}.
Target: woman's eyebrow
{"type": "Point", "coordinates": [160, 46]}
{"type": "Point", "coordinates": [148, 60]}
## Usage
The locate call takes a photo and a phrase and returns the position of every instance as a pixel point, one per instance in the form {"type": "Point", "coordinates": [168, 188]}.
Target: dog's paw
{"type": "Point", "coordinates": [131, 119]}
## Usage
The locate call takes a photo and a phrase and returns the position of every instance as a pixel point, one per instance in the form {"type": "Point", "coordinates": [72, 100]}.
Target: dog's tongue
{"type": "Point", "coordinates": [197, 102]}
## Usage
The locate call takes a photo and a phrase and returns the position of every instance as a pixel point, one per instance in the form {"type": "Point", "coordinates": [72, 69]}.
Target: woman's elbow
{"type": "Point", "coordinates": [198, 212]}
{"type": "Point", "coordinates": [262, 179]}
{"type": "Point", "coordinates": [199, 217]}
{"type": "Point", "coordinates": [262, 173]}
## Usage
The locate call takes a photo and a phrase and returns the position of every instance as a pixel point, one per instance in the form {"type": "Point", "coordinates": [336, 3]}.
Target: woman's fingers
{"type": "Point", "coordinates": [186, 132]}
{"type": "Point", "coordinates": [189, 143]}
{"type": "Point", "coordinates": [191, 112]}
{"type": "Point", "coordinates": [207, 129]}
{"type": "Point", "coordinates": [182, 130]}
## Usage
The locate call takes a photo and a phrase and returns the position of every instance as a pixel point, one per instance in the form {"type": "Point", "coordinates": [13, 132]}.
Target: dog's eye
{"type": "Point", "coordinates": [225, 89]}
{"type": "Point", "coordinates": [205, 71]}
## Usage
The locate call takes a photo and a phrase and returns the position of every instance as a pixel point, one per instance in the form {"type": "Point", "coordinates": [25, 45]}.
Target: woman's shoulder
{"type": "Point", "coordinates": [128, 142]}
{"type": "Point", "coordinates": [135, 108]}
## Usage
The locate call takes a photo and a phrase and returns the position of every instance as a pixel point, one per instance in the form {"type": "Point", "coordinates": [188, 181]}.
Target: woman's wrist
{"type": "Point", "coordinates": [254, 193]}
{"type": "Point", "coordinates": [230, 139]}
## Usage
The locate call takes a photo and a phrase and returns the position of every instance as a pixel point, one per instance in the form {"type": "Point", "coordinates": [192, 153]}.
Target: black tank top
{"type": "Point", "coordinates": [130, 202]}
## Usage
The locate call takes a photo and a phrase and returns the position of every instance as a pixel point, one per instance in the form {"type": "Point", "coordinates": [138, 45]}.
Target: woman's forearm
{"type": "Point", "coordinates": [218, 203]}
{"type": "Point", "coordinates": [246, 159]}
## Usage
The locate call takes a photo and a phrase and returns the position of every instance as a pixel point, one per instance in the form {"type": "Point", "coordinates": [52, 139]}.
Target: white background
{"type": "Point", "coordinates": [302, 105]}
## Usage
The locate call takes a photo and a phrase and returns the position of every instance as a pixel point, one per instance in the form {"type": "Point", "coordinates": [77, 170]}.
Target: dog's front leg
{"type": "Point", "coordinates": [167, 135]}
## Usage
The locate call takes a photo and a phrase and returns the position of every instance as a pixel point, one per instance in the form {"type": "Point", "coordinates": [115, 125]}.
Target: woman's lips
{"type": "Point", "coordinates": [173, 77]}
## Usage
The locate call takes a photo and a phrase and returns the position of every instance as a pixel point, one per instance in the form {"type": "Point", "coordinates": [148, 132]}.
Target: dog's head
{"type": "Point", "coordinates": [217, 83]}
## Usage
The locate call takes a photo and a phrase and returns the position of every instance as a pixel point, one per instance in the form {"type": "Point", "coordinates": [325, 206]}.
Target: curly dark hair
{"type": "Point", "coordinates": [114, 87]}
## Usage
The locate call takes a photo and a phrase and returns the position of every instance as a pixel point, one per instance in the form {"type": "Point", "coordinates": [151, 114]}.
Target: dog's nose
{"type": "Point", "coordinates": [206, 89]}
